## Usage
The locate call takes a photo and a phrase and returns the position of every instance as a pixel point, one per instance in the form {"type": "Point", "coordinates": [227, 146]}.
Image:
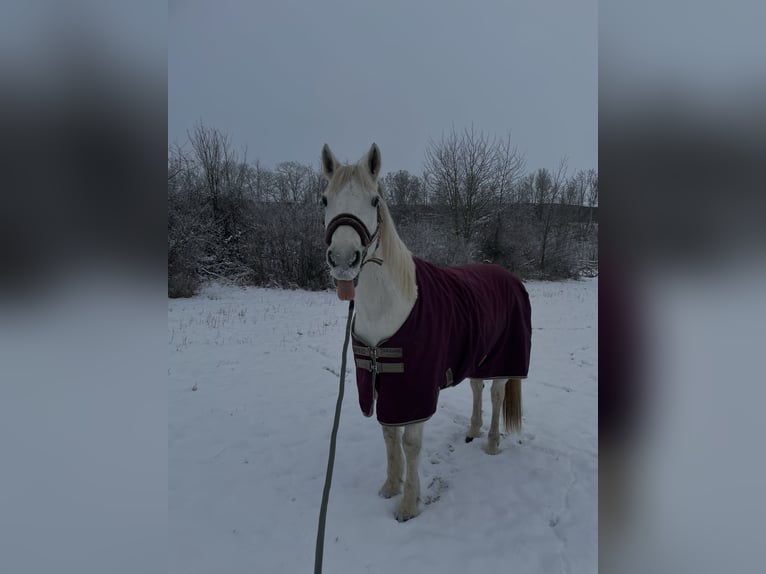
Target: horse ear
{"type": "Point", "coordinates": [373, 161]}
{"type": "Point", "coordinates": [329, 163]}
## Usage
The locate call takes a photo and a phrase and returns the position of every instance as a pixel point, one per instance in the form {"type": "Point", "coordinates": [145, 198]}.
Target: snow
{"type": "Point", "coordinates": [247, 451]}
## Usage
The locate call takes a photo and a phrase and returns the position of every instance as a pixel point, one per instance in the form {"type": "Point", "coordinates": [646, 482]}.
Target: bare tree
{"type": "Point", "coordinates": [548, 189]}
{"type": "Point", "coordinates": [213, 152]}
{"type": "Point", "coordinates": [260, 182]}
{"type": "Point", "coordinates": [509, 165]}
{"type": "Point", "coordinates": [471, 173]}
{"type": "Point", "coordinates": [315, 185]}
{"type": "Point", "coordinates": [292, 178]}
{"type": "Point", "coordinates": [478, 173]}
{"type": "Point", "coordinates": [442, 172]}
{"type": "Point", "coordinates": [402, 188]}
{"type": "Point", "coordinates": [523, 190]}
{"type": "Point", "coordinates": [177, 162]}
{"type": "Point", "coordinates": [592, 188]}
{"type": "Point", "coordinates": [183, 173]}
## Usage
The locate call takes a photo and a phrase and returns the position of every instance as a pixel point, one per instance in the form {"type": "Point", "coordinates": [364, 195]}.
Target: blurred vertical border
{"type": "Point", "coordinates": [682, 308]}
{"type": "Point", "coordinates": [83, 404]}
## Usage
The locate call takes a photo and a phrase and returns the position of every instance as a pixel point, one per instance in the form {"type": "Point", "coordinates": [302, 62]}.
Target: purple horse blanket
{"type": "Point", "coordinates": [470, 321]}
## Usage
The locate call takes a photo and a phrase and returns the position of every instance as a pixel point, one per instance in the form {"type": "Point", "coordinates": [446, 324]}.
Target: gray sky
{"type": "Point", "coordinates": [284, 76]}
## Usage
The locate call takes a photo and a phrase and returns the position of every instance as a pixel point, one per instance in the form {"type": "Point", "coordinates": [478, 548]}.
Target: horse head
{"type": "Point", "coordinates": [352, 216]}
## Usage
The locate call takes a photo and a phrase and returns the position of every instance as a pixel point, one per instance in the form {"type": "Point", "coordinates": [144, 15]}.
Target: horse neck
{"type": "Point", "coordinates": [382, 302]}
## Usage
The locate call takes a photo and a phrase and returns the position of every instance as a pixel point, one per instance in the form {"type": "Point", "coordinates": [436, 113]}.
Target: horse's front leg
{"type": "Point", "coordinates": [413, 439]}
{"type": "Point", "coordinates": [394, 464]}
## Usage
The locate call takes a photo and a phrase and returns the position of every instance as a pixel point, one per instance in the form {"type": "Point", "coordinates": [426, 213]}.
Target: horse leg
{"type": "Point", "coordinates": [477, 385]}
{"type": "Point", "coordinates": [394, 467]}
{"type": "Point", "coordinates": [498, 394]}
{"type": "Point", "coordinates": [413, 439]}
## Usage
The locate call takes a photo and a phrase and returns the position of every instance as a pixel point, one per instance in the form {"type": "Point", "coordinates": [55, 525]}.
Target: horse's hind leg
{"type": "Point", "coordinates": [413, 439]}
{"type": "Point", "coordinates": [477, 385]}
{"type": "Point", "coordinates": [394, 463]}
{"type": "Point", "coordinates": [498, 394]}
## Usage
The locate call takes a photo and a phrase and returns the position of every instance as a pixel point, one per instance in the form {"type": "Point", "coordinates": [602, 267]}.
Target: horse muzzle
{"type": "Point", "coordinates": [344, 261]}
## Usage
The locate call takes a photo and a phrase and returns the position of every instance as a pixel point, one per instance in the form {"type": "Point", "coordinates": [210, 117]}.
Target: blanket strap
{"type": "Point", "coordinates": [373, 365]}
{"type": "Point", "coordinates": [384, 352]}
{"type": "Point", "coordinates": [376, 367]}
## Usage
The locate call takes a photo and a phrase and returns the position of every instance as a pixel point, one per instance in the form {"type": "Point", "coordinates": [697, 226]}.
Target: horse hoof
{"type": "Point", "coordinates": [389, 492]}
{"type": "Point", "coordinates": [405, 516]}
{"type": "Point", "coordinates": [468, 439]}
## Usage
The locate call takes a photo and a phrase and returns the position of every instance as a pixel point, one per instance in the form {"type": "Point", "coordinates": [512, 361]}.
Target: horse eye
{"type": "Point", "coordinates": [324, 201]}
{"type": "Point", "coordinates": [375, 201]}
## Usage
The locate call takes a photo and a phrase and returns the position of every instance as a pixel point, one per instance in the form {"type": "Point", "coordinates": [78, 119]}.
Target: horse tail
{"type": "Point", "coordinates": [512, 405]}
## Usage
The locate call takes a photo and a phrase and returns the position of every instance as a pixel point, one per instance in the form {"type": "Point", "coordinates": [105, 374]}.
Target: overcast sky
{"type": "Point", "coordinates": [284, 76]}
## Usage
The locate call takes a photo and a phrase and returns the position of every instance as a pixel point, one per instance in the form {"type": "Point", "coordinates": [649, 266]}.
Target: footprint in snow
{"type": "Point", "coordinates": [436, 487]}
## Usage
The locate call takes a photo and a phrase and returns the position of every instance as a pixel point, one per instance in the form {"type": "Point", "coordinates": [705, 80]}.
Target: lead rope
{"type": "Point", "coordinates": [328, 477]}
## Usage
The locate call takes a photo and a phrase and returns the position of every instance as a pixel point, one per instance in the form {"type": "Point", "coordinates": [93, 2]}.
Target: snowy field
{"type": "Point", "coordinates": [248, 448]}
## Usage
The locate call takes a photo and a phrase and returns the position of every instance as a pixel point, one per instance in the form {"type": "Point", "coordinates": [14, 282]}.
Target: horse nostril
{"type": "Point", "coordinates": [330, 260]}
{"type": "Point", "coordinates": [357, 255]}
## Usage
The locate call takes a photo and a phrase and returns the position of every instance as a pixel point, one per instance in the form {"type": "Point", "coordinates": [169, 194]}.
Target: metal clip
{"type": "Point", "coordinates": [374, 360]}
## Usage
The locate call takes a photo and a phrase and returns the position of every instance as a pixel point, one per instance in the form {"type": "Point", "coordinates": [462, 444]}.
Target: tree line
{"type": "Point", "coordinates": [230, 218]}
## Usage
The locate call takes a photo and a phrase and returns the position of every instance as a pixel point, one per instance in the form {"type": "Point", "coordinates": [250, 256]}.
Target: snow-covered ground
{"type": "Point", "coordinates": [248, 448]}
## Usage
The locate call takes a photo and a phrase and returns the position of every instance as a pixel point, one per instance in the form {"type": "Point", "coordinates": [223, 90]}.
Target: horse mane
{"type": "Point", "coordinates": [394, 252]}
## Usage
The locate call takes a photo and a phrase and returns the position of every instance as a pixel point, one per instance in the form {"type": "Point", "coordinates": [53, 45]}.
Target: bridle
{"type": "Point", "coordinates": [365, 236]}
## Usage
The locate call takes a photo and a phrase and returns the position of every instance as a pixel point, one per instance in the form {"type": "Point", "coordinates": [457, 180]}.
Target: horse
{"type": "Point", "coordinates": [418, 328]}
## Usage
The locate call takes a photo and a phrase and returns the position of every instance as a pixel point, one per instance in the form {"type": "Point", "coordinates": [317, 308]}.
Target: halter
{"type": "Point", "coordinates": [364, 235]}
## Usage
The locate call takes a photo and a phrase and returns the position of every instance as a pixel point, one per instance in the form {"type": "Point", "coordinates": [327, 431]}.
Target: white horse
{"type": "Point", "coordinates": [371, 265]}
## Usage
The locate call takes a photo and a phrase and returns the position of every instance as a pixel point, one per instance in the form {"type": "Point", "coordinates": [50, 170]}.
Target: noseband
{"type": "Point", "coordinates": [364, 235]}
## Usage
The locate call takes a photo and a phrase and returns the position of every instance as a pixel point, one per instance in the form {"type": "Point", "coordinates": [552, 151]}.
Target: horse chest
{"type": "Point", "coordinates": [376, 331]}
{"type": "Point", "coordinates": [379, 314]}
